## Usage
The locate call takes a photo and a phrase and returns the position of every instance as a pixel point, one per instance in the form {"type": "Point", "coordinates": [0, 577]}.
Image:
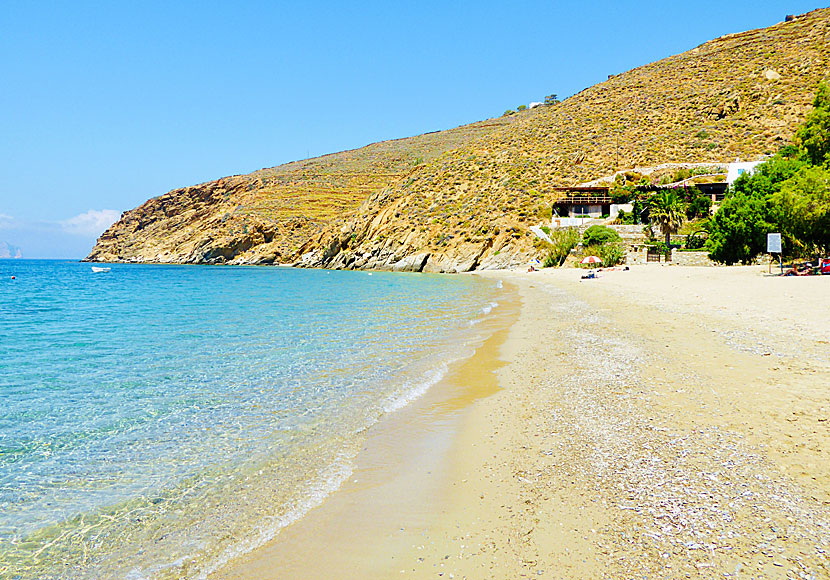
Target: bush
{"type": "Point", "coordinates": [600, 235]}
{"type": "Point", "coordinates": [509, 112]}
{"type": "Point", "coordinates": [625, 218]}
{"type": "Point", "coordinates": [612, 254]}
{"type": "Point", "coordinates": [680, 175]}
{"type": "Point", "coordinates": [695, 242]}
{"type": "Point", "coordinates": [521, 107]}
{"type": "Point", "coordinates": [562, 241]}
{"type": "Point", "coordinates": [622, 193]}
{"type": "Point", "coordinates": [697, 204]}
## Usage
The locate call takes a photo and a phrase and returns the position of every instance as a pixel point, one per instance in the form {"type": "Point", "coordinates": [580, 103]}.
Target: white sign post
{"type": "Point", "coordinates": [774, 247]}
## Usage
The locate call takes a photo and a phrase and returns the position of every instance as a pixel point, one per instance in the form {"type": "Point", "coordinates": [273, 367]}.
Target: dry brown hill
{"type": "Point", "coordinates": [480, 187]}
{"type": "Point", "coordinates": [265, 216]}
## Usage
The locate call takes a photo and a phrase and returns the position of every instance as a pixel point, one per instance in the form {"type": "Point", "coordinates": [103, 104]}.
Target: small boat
{"type": "Point", "coordinates": [98, 269]}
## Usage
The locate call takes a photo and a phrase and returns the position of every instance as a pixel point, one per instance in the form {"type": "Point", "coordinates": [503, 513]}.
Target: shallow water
{"type": "Point", "coordinates": [157, 420]}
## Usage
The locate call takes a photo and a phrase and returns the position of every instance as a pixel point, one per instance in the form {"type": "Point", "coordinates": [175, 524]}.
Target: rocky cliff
{"type": "Point", "coordinates": [464, 199]}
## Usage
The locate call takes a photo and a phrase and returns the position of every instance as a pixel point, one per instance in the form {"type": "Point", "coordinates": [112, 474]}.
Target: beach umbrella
{"type": "Point", "coordinates": [591, 260]}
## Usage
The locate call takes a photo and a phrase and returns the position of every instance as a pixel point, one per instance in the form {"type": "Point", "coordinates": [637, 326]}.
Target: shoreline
{"type": "Point", "coordinates": [357, 530]}
{"type": "Point", "coordinates": [659, 422]}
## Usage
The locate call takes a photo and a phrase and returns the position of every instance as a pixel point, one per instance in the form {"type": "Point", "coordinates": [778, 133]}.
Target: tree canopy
{"type": "Point", "coordinates": [738, 231]}
{"type": "Point", "coordinates": [790, 194]}
{"type": "Point", "coordinates": [802, 209]}
{"type": "Point", "coordinates": [814, 134]}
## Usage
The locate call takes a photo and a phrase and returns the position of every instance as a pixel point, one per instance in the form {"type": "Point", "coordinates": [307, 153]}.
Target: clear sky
{"type": "Point", "coordinates": [106, 104]}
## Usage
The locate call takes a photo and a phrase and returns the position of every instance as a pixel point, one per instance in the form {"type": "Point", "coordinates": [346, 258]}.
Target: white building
{"type": "Point", "coordinates": [735, 170]}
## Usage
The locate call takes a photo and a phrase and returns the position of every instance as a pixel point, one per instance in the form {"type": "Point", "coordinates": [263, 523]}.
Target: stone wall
{"type": "Point", "coordinates": [691, 258]}
{"type": "Point", "coordinates": [640, 255]}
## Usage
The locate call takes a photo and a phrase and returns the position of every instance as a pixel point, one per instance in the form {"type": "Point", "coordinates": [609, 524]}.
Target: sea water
{"type": "Point", "coordinates": [156, 421]}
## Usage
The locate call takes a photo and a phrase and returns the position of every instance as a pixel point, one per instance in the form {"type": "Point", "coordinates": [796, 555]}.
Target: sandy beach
{"type": "Point", "coordinates": [661, 422]}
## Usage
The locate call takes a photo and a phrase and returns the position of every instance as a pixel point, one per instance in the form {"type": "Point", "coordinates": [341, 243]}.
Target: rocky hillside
{"type": "Point", "coordinates": [464, 199]}
{"type": "Point", "coordinates": [266, 216]}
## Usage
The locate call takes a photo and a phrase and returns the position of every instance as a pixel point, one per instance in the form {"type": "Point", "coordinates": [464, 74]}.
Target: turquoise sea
{"type": "Point", "coordinates": [155, 421]}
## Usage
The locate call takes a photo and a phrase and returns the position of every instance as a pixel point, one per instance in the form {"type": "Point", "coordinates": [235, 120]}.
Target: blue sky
{"type": "Point", "coordinates": [106, 104]}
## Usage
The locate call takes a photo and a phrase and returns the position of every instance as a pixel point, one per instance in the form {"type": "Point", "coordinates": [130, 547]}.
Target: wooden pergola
{"type": "Point", "coordinates": [593, 195]}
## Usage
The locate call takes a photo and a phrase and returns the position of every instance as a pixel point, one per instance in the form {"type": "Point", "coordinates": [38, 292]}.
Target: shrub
{"type": "Point", "coordinates": [622, 193]}
{"type": "Point", "coordinates": [625, 218]}
{"type": "Point", "coordinates": [562, 241]}
{"type": "Point", "coordinates": [697, 204]}
{"type": "Point", "coordinates": [659, 247]}
{"type": "Point", "coordinates": [599, 235]}
{"type": "Point", "coordinates": [694, 242]}
{"type": "Point", "coordinates": [521, 107]}
{"type": "Point", "coordinates": [508, 112]}
{"type": "Point", "coordinates": [680, 175]}
{"type": "Point", "coordinates": [612, 254]}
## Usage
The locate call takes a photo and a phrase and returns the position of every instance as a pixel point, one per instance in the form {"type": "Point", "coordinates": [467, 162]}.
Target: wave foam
{"type": "Point", "coordinates": [416, 391]}
{"type": "Point", "coordinates": [329, 481]}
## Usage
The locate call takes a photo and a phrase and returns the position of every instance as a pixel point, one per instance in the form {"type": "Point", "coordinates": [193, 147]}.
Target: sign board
{"type": "Point", "coordinates": [773, 243]}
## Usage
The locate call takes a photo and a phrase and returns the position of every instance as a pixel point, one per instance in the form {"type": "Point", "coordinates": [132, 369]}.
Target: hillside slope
{"type": "Point", "coordinates": [480, 187]}
{"type": "Point", "coordinates": [265, 216]}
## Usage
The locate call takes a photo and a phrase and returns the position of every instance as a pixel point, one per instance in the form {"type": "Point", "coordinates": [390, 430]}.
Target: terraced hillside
{"type": "Point", "coordinates": [469, 205]}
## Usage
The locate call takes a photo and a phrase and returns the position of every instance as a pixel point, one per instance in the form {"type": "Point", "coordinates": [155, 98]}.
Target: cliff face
{"type": "Point", "coordinates": [464, 199]}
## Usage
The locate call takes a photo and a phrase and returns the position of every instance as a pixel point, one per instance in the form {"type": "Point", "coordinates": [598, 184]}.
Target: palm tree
{"type": "Point", "coordinates": [667, 212]}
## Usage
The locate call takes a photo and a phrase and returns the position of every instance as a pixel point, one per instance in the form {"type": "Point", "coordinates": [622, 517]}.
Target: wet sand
{"type": "Point", "coordinates": [662, 422]}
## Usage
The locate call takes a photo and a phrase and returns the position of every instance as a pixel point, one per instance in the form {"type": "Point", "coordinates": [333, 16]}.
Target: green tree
{"type": "Point", "coordinates": [667, 211]}
{"type": "Point", "coordinates": [551, 99]}
{"type": "Point", "coordinates": [697, 204]}
{"type": "Point", "coordinates": [738, 231]}
{"type": "Point", "coordinates": [802, 209]}
{"type": "Point", "coordinates": [814, 134]}
{"type": "Point", "coordinates": [769, 176]}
